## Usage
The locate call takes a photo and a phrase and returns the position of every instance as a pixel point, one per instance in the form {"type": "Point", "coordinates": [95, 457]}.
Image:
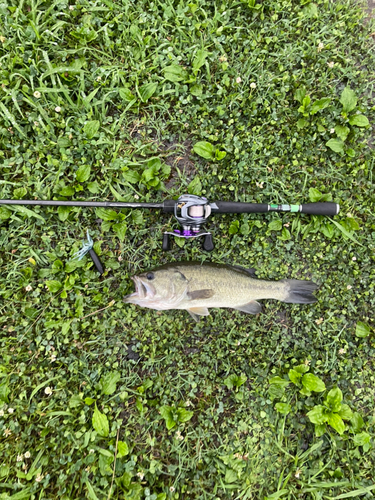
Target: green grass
{"type": "Point", "coordinates": [89, 111]}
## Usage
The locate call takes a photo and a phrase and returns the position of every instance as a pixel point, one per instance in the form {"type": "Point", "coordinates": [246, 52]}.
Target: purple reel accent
{"type": "Point", "coordinates": [186, 233]}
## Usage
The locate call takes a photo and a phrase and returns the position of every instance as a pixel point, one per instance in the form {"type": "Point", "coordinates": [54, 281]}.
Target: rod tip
{"type": "Point", "coordinates": [337, 208]}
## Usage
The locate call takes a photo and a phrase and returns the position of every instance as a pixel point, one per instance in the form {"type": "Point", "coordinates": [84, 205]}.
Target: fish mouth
{"type": "Point", "coordinates": [143, 289]}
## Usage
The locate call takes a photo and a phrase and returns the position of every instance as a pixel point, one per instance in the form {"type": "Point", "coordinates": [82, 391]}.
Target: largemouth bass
{"type": "Point", "coordinates": [198, 287]}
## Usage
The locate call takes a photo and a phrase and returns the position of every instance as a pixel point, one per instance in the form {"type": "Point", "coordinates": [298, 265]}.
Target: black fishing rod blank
{"type": "Point", "coordinates": [92, 204]}
{"type": "Point", "coordinates": [192, 212]}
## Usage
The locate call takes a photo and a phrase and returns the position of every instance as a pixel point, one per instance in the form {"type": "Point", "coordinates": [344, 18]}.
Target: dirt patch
{"type": "Point", "coordinates": [178, 157]}
{"type": "Point", "coordinates": [370, 9]}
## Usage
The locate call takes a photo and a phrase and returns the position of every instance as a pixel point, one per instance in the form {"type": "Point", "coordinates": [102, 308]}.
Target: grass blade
{"type": "Point", "coordinates": [91, 491]}
{"type": "Point", "coordinates": [277, 494]}
{"type": "Point", "coordinates": [21, 495]}
{"type": "Point", "coordinates": [8, 115]}
{"type": "Point", "coordinates": [355, 493]}
{"type": "Point", "coordinates": [344, 231]}
{"type": "Point", "coordinates": [40, 386]}
{"type": "Point", "coordinates": [61, 69]}
{"type": "Point", "coordinates": [26, 211]}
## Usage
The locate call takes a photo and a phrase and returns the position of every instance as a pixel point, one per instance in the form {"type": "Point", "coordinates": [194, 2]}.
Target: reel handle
{"type": "Point", "coordinates": [208, 243]}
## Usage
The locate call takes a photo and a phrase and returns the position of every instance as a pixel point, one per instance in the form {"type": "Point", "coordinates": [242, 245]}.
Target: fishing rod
{"type": "Point", "coordinates": [192, 212]}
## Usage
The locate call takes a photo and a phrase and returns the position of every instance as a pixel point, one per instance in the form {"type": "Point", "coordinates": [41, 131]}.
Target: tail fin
{"type": "Point", "coordinates": [300, 292]}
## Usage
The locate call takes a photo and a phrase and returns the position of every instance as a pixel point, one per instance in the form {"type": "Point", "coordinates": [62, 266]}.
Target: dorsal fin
{"type": "Point", "coordinates": [250, 270]}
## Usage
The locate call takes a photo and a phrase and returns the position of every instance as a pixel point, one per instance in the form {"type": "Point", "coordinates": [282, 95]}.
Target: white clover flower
{"type": "Point", "coordinates": [10, 410]}
{"type": "Point", "coordinates": [171, 489]}
{"type": "Point", "coordinates": [27, 454]}
{"type": "Point", "coordinates": [331, 64]}
{"type": "Point", "coordinates": [98, 78]}
{"type": "Point", "coordinates": [349, 287]}
{"type": "Point", "coordinates": [57, 109]}
{"type": "Point", "coordinates": [2, 39]}
{"type": "Point", "coordinates": [48, 391]}
{"type": "Point", "coordinates": [136, 197]}
{"type": "Point", "coordinates": [253, 85]}
{"type": "Point", "coordinates": [119, 258]}
{"type": "Point", "coordinates": [53, 358]}
{"type": "Point", "coordinates": [188, 402]}
{"type": "Point", "coordinates": [91, 451]}
{"type": "Point", "coordinates": [39, 477]}
{"type": "Point", "coordinates": [342, 351]}
{"type": "Point", "coordinates": [36, 123]}
{"type": "Point", "coordinates": [37, 94]}
{"type": "Point", "coordinates": [332, 131]}
{"type": "Point", "coordinates": [19, 458]}
{"type": "Point", "coordinates": [71, 7]}
{"type": "Point", "coordinates": [297, 474]}
{"type": "Point", "coordinates": [238, 79]}
{"type": "Point", "coordinates": [7, 432]}
{"type": "Point", "coordinates": [320, 47]}
{"type": "Point", "coordinates": [140, 475]}
{"type": "Point", "coordinates": [28, 288]}
{"type": "Point", "coordinates": [179, 436]}
{"type": "Point", "coordinates": [354, 258]}
{"type": "Point", "coordinates": [1, 413]}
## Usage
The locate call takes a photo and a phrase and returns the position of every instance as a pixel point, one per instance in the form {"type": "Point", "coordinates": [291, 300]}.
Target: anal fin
{"type": "Point", "coordinates": [195, 312]}
{"type": "Point", "coordinates": [252, 307]}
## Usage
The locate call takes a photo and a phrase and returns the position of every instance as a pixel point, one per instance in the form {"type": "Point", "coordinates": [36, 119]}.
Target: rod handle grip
{"type": "Point", "coordinates": [320, 208]}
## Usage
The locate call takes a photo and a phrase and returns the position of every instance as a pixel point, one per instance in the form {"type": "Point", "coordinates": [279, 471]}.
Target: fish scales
{"type": "Point", "coordinates": [197, 287]}
{"type": "Point", "coordinates": [231, 287]}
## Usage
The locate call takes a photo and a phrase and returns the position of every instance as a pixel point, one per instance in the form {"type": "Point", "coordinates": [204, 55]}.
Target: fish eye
{"type": "Point", "coordinates": [150, 276]}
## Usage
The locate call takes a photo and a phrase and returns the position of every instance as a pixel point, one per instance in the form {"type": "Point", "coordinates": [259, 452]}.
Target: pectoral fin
{"type": "Point", "coordinates": [252, 307]}
{"type": "Point", "coordinates": [201, 294]}
{"type": "Point", "coordinates": [195, 312]}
